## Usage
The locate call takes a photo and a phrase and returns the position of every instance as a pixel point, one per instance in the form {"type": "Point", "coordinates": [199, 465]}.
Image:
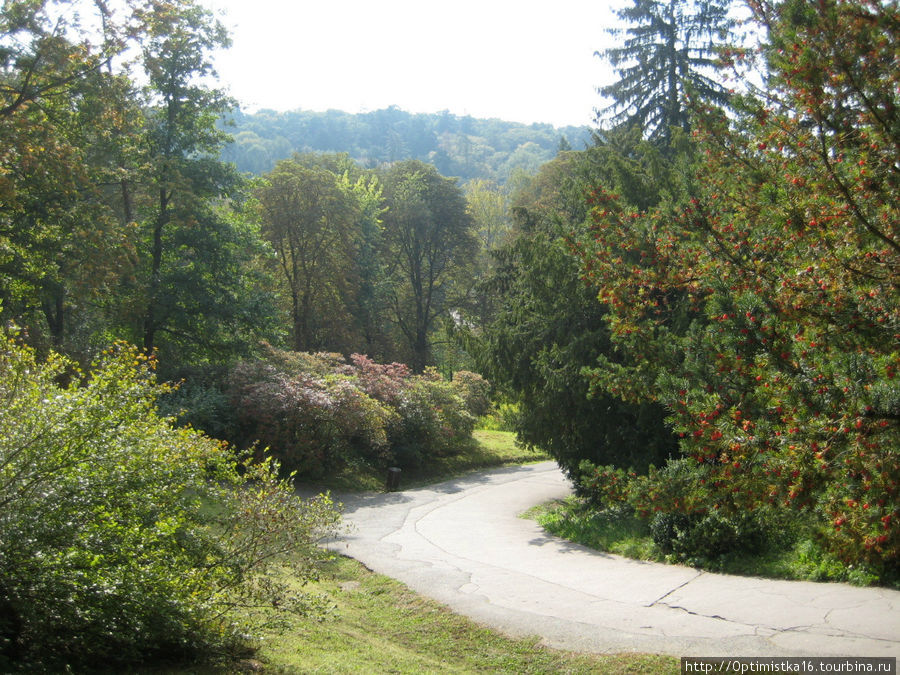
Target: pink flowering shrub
{"type": "Point", "coordinates": [384, 382]}
{"type": "Point", "coordinates": [317, 412]}
{"type": "Point", "coordinates": [313, 425]}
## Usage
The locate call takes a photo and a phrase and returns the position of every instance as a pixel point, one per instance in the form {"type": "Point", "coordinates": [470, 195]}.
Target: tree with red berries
{"type": "Point", "coordinates": [762, 310]}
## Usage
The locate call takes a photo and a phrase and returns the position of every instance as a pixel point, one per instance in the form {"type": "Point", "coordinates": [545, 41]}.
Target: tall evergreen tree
{"type": "Point", "coordinates": [669, 50]}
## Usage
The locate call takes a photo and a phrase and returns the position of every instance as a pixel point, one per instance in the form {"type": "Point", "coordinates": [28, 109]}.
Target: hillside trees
{"type": "Point", "coordinates": [429, 237]}
{"type": "Point", "coordinates": [783, 384]}
{"type": "Point", "coordinates": [465, 147]}
{"type": "Point", "coordinates": [670, 53]}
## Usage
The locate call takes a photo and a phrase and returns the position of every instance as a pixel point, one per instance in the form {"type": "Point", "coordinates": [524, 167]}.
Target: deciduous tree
{"type": "Point", "coordinates": [309, 216]}
{"type": "Point", "coordinates": [430, 241]}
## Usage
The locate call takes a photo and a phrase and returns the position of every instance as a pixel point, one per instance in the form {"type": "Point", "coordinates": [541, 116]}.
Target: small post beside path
{"type": "Point", "coordinates": [393, 479]}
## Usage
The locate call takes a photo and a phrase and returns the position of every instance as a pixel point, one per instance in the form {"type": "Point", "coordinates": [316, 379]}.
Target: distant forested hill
{"type": "Point", "coordinates": [465, 147]}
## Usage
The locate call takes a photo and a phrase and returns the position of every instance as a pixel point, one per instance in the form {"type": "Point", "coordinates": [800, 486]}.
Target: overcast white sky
{"type": "Point", "coordinates": [518, 60]}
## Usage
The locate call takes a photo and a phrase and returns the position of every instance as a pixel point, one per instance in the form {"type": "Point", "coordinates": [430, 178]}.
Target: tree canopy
{"type": "Point", "coordinates": [668, 56]}
{"type": "Point", "coordinates": [431, 240]}
{"type": "Point", "coordinates": [464, 147]}
{"type": "Point", "coordinates": [761, 308]}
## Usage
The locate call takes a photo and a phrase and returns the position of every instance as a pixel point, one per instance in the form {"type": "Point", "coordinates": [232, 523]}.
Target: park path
{"type": "Point", "coordinates": [463, 543]}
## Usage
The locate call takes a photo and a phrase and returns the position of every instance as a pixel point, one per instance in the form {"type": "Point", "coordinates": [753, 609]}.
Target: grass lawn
{"type": "Point", "coordinates": [380, 626]}
{"type": "Point", "coordinates": [489, 449]}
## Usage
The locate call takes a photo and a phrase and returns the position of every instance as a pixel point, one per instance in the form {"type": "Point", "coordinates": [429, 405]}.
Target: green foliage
{"type": "Point", "coordinates": [502, 417]}
{"type": "Point", "coordinates": [123, 539]}
{"type": "Point", "coordinates": [116, 219]}
{"type": "Point", "coordinates": [548, 327]}
{"type": "Point", "coordinates": [61, 246]}
{"type": "Point", "coordinates": [759, 304]}
{"type": "Point", "coordinates": [613, 528]}
{"type": "Point", "coordinates": [198, 400]}
{"type": "Point", "coordinates": [466, 147]}
{"type": "Point", "coordinates": [786, 551]}
{"type": "Point", "coordinates": [318, 414]}
{"type": "Point", "coordinates": [430, 240]}
{"type": "Point", "coordinates": [475, 392]}
{"type": "Point", "coordinates": [195, 292]}
{"type": "Point", "coordinates": [433, 420]}
{"type": "Point", "coordinates": [324, 230]}
{"type": "Point", "coordinates": [709, 536]}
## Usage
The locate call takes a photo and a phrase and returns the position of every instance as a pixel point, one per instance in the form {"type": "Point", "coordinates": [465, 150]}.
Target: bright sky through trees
{"type": "Point", "coordinates": [525, 62]}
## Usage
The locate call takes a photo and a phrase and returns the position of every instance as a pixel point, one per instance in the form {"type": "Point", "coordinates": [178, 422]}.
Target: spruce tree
{"type": "Point", "coordinates": [670, 48]}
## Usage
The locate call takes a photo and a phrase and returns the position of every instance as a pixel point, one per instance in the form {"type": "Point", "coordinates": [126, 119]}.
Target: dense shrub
{"type": "Point", "coordinates": [674, 500]}
{"type": "Point", "coordinates": [124, 539]}
{"type": "Point", "coordinates": [198, 400]}
{"type": "Point", "coordinates": [474, 390]}
{"type": "Point", "coordinates": [314, 425]}
{"type": "Point", "coordinates": [433, 420]}
{"type": "Point", "coordinates": [318, 413]}
{"type": "Point", "coordinates": [385, 382]}
{"type": "Point", "coordinates": [706, 536]}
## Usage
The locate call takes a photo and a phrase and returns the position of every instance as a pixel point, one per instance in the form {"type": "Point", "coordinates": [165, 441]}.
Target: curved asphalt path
{"type": "Point", "coordinates": [463, 544]}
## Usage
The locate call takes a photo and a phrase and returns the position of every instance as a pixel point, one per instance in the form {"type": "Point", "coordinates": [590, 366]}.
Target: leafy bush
{"type": "Point", "coordinates": [384, 382]}
{"type": "Point", "coordinates": [674, 499]}
{"type": "Point", "coordinates": [474, 390]}
{"type": "Point", "coordinates": [603, 486]}
{"type": "Point", "coordinates": [433, 420]}
{"type": "Point", "coordinates": [689, 537]}
{"type": "Point", "coordinates": [318, 413]}
{"type": "Point", "coordinates": [314, 425]}
{"type": "Point", "coordinates": [198, 400]}
{"type": "Point", "coordinates": [500, 418]}
{"type": "Point", "coordinates": [124, 539]}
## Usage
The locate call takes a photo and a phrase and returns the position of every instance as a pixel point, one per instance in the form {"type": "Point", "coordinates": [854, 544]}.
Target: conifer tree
{"type": "Point", "coordinates": [670, 49]}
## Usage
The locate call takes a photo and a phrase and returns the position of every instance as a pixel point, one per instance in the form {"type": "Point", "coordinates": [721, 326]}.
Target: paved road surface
{"type": "Point", "coordinates": [463, 544]}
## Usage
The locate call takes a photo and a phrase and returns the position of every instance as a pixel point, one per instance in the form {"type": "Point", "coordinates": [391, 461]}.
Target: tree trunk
{"type": "Point", "coordinates": [151, 318]}
{"type": "Point", "coordinates": [420, 351]}
{"type": "Point", "coordinates": [54, 313]}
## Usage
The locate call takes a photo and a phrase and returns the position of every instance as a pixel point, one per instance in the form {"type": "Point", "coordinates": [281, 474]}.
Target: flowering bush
{"type": "Point", "coordinates": [314, 425]}
{"type": "Point", "coordinates": [384, 382]}
{"type": "Point", "coordinates": [317, 412]}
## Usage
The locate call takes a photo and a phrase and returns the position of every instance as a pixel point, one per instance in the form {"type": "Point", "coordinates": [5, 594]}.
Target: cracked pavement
{"type": "Point", "coordinates": [463, 543]}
